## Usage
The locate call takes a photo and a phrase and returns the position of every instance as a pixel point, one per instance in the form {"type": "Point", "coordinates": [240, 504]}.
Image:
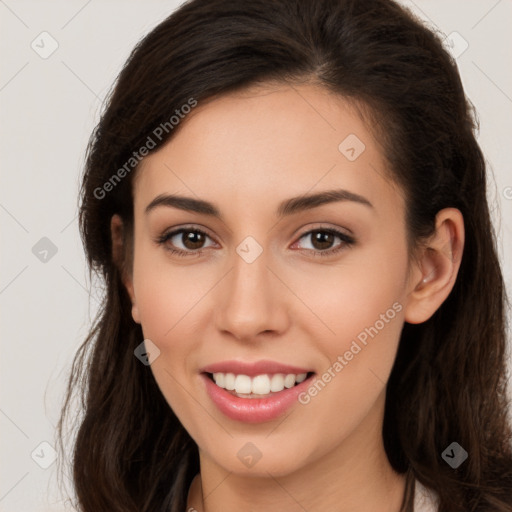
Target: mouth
{"type": "Point", "coordinates": [255, 392]}
{"type": "Point", "coordinates": [264, 385]}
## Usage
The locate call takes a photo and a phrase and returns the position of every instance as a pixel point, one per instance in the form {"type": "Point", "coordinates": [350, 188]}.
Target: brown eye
{"type": "Point", "coordinates": [185, 241]}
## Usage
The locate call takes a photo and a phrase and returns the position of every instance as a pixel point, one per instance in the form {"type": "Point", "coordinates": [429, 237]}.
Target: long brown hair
{"type": "Point", "coordinates": [448, 382]}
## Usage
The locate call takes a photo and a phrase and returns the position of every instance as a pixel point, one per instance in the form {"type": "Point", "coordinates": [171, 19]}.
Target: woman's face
{"type": "Point", "coordinates": [264, 286]}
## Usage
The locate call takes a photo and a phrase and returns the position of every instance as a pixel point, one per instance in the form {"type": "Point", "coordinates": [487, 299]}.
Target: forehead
{"type": "Point", "coordinates": [268, 142]}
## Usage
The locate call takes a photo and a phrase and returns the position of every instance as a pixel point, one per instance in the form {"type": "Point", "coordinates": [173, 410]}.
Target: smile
{"type": "Point", "coordinates": [254, 392]}
{"type": "Point", "coordinates": [259, 386]}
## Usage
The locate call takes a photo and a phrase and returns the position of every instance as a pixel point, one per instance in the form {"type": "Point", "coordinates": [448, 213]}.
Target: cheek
{"type": "Point", "coordinates": [362, 303]}
{"type": "Point", "coordinates": [167, 293]}
{"type": "Point", "coordinates": [169, 303]}
{"type": "Point", "coordinates": [366, 289]}
{"type": "Point", "coordinates": [173, 301]}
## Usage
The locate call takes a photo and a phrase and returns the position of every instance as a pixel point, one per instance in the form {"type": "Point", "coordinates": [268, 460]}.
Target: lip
{"type": "Point", "coordinates": [255, 410]}
{"type": "Point", "coordinates": [252, 369]}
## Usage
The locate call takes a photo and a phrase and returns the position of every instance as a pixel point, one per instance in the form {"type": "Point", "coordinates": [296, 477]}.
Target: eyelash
{"type": "Point", "coordinates": [347, 241]}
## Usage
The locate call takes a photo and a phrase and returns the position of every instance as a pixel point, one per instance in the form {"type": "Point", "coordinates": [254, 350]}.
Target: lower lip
{"type": "Point", "coordinates": [253, 410]}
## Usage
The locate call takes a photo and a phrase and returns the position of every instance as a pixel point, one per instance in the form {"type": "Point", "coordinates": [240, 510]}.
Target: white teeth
{"type": "Point", "coordinates": [259, 384]}
{"type": "Point", "coordinates": [277, 383]}
{"type": "Point", "coordinates": [219, 379]}
{"type": "Point", "coordinates": [243, 384]}
{"type": "Point", "coordinates": [301, 378]}
{"type": "Point", "coordinates": [229, 381]}
{"type": "Point", "coordinates": [289, 381]}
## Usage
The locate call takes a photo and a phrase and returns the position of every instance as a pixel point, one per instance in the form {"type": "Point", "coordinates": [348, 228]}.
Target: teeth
{"type": "Point", "coordinates": [277, 382]}
{"type": "Point", "coordinates": [289, 381]}
{"type": "Point", "coordinates": [258, 385]}
{"type": "Point", "coordinates": [243, 384]}
{"type": "Point", "coordinates": [229, 381]}
{"type": "Point", "coordinates": [220, 379]}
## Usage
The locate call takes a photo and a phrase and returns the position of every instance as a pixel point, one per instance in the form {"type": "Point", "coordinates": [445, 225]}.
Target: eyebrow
{"type": "Point", "coordinates": [285, 208]}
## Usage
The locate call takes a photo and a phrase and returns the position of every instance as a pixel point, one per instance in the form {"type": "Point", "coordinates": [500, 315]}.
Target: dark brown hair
{"type": "Point", "coordinates": [448, 382]}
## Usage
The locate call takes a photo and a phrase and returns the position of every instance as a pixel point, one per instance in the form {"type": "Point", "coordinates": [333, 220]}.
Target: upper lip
{"type": "Point", "coordinates": [252, 369]}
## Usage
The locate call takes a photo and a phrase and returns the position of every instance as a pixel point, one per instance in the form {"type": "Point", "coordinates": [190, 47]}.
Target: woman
{"type": "Point", "coordinates": [231, 367]}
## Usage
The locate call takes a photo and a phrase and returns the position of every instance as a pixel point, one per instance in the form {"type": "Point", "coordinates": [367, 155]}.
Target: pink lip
{"type": "Point", "coordinates": [252, 369]}
{"type": "Point", "coordinates": [253, 410]}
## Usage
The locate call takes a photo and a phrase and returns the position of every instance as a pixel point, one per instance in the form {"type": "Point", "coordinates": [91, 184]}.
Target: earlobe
{"type": "Point", "coordinates": [119, 258]}
{"type": "Point", "coordinates": [135, 310]}
{"type": "Point", "coordinates": [135, 313]}
{"type": "Point", "coordinates": [437, 267]}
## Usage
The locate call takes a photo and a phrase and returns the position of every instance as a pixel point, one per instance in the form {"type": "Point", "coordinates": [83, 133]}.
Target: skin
{"type": "Point", "coordinates": [246, 152]}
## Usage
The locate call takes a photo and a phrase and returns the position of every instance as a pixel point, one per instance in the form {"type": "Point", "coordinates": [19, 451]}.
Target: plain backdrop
{"type": "Point", "coordinates": [49, 105]}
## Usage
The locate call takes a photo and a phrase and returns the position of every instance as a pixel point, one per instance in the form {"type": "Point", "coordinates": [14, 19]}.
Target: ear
{"type": "Point", "coordinates": [436, 269]}
{"type": "Point", "coordinates": [119, 256]}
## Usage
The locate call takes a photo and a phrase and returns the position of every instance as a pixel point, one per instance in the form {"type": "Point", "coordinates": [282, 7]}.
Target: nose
{"type": "Point", "coordinates": [252, 301]}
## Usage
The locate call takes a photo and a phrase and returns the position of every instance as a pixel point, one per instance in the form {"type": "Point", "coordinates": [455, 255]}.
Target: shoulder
{"type": "Point", "coordinates": [425, 500]}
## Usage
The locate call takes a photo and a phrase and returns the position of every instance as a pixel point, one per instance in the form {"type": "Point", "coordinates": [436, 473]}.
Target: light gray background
{"type": "Point", "coordinates": [48, 110]}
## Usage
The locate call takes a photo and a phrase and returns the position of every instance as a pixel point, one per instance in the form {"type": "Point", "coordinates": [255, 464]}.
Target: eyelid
{"type": "Point", "coordinates": [327, 226]}
{"type": "Point", "coordinates": [186, 227]}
